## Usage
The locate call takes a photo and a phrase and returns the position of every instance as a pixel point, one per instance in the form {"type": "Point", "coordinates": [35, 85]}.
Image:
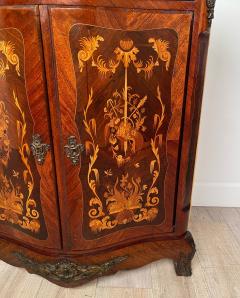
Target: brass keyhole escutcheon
{"type": "Point", "coordinates": [39, 149]}
{"type": "Point", "coordinates": [73, 150]}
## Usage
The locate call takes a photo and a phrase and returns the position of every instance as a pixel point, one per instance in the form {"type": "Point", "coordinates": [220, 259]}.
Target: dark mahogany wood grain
{"type": "Point", "coordinates": [54, 106]}
{"type": "Point", "coordinates": [181, 250]}
{"type": "Point", "coordinates": [27, 23]}
{"type": "Point", "coordinates": [190, 128]}
{"type": "Point", "coordinates": [127, 20]}
{"type": "Point", "coordinates": [137, 4]}
{"type": "Point", "coordinates": [197, 102]}
{"type": "Point", "coordinates": [53, 103]}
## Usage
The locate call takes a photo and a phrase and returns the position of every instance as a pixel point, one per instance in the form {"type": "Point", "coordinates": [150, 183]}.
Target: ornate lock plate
{"type": "Point", "coordinates": [73, 150]}
{"type": "Point", "coordinates": [39, 149]}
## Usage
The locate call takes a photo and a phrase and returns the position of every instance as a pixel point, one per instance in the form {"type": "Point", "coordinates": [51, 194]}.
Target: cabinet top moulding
{"type": "Point", "coordinates": [146, 4]}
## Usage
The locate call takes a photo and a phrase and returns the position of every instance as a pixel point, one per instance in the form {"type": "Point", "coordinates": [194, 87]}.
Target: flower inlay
{"type": "Point", "coordinates": [126, 198]}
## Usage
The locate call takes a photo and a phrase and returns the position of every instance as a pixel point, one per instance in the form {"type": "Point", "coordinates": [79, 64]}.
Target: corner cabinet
{"type": "Point", "coordinates": [99, 115]}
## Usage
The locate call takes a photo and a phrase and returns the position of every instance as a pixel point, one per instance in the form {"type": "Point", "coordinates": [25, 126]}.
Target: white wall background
{"type": "Point", "coordinates": [217, 173]}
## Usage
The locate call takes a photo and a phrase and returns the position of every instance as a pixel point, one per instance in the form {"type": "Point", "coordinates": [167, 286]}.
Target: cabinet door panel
{"type": "Point", "coordinates": [121, 77]}
{"type": "Point", "coordinates": [28, 209]}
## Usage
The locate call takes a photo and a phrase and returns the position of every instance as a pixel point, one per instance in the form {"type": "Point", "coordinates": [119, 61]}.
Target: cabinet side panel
{"type": "Point", "coordinates": [184, 206]}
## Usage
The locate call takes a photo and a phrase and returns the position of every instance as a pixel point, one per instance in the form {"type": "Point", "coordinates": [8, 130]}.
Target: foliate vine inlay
{"type": "Point", "coordinates": [7, 49]}
{"type": "Point", "coordinates": [19, 207]}
{"type": "Point", "coordinates": [17, 203]}
{"type": "Point", "coordinates": [67, 271]}
{"type": "Point", "coordinates": [125, 116]}
{"type": "Point", "coordinates": [210, 6]}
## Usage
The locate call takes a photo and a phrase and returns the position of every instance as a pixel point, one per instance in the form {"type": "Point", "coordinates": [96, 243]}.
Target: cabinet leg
{"type": "Point", "coordinates": [183, 264]}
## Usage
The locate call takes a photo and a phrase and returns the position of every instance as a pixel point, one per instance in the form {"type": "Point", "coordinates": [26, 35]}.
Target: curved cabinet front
{"type": "Point", "coordinates": [120, 104]}
{"type": "Point", "coordinates": [123, 74]}
{"type": "Point", "coordinates": [28, 209]}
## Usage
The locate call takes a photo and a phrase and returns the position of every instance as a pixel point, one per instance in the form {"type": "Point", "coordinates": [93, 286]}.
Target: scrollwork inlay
{"type": "Point", "coordinates": [7, 49]}
{"type": "Point", "coordinates": [125, 115]}
{"type": "Point", "coordinates": [18, 204]}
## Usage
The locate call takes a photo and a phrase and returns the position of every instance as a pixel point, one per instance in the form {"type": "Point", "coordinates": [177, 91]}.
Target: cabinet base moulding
{"type": "Point", "coordinates": [75, 270]}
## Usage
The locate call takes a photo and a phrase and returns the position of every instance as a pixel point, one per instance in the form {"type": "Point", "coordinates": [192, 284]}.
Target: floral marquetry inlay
{"type": "Point", "coordinates": [17, 208]}
{"type": "Point", "coordinates": [7, 49]}
{"type": "Point", "coordinates": [19, 180]}
{"type": "Point", "coordinates": [126, 188]}
{"type": "Point", "coordinates": [125, 53]}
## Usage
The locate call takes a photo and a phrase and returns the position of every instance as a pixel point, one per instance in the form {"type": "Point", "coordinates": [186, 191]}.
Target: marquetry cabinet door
{"type": "Point", "coordinates": [28, 208]}
{"type": "Point", "coordinates": [121, 78]}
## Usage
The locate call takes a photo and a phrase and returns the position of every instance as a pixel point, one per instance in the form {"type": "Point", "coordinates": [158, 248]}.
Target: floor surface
{"type": "Point", "coordinates": [216, 269]}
